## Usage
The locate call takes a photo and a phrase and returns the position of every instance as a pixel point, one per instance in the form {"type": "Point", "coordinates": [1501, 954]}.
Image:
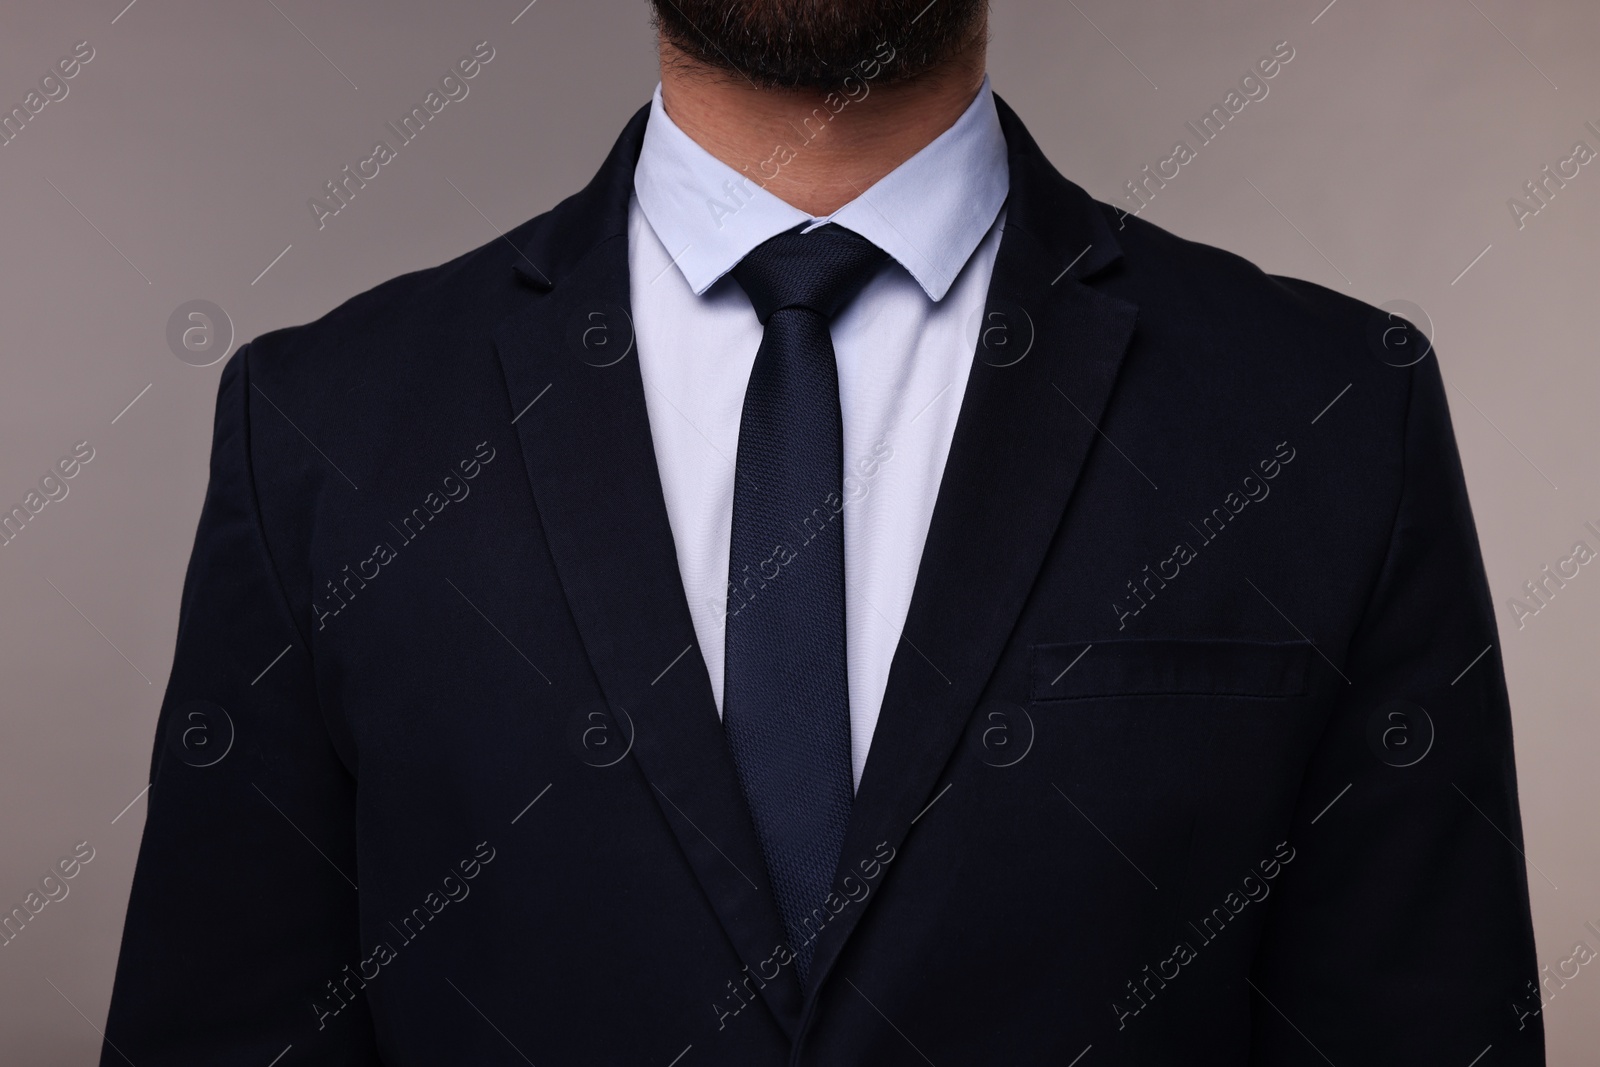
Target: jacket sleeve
{"type": "Point", "coordinates": [1402, 933]}
{"type": "Point", "coordinates": [244, 904]}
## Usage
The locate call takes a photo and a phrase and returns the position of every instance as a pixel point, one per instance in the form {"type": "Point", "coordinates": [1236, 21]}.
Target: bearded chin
{"type": "Point", "coordinates": [820, 44]}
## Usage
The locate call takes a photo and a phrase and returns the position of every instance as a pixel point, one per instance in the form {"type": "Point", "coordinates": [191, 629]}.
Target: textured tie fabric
{"type": "Point", "coordinates": [786, 704]}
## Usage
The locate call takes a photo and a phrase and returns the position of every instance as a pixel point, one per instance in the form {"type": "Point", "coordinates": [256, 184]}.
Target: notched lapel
{"type": "Point", "coordinates": [1044, 369]}
{"type": "Point", "coordinates": [581, 421]}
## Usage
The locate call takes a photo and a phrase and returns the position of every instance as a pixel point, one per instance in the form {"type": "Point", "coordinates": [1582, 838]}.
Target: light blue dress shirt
{"type": "Point", "coordinates": [904, 348]}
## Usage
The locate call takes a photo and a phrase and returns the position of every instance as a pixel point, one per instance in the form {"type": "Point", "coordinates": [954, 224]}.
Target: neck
{"type": "Point", "coordinates": [815, 150]}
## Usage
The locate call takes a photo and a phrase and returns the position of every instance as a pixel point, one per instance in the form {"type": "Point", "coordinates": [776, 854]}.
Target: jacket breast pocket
{"type": "Point", "coordinates": [1169, 746]}
{"type": "Point", "coordinates": [1248, 670]}
{"type": "Point", "coordinates": [1187, 755]}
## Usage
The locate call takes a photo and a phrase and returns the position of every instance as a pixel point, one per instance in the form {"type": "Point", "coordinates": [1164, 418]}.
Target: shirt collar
{"type": "Point", "coordinates": [929, 213]}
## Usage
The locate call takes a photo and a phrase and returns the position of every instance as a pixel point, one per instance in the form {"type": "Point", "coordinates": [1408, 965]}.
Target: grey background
{"type": "Point", "coordinates": [184, 154]}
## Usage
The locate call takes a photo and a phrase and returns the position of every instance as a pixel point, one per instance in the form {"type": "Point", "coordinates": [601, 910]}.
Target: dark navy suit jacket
{"type": "Point", "coordinates": [1191, 753]}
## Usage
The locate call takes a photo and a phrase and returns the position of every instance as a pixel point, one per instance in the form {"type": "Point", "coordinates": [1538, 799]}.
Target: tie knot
{"type": "Point", "coordinates": [820, 270]}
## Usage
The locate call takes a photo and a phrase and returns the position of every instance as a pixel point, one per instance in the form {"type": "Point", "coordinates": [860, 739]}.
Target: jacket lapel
{"type": "Point", "coordinates": [1017, 451]}
{"type": "Point", "coordinates": [581, 419]}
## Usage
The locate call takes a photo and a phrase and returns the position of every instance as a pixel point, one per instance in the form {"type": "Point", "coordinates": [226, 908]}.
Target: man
{"type": "Point", "coordinates": [830, 592]}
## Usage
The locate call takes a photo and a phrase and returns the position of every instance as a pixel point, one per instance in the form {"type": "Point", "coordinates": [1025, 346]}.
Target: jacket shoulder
{"type": "Point", "coordinates": [453, 295]}
{"type": "Point", "coordinates": [1169, 267]}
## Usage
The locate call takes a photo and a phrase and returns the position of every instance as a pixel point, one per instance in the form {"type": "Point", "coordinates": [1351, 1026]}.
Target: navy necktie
{"type": "Point", "coordinates": [786, 704]}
